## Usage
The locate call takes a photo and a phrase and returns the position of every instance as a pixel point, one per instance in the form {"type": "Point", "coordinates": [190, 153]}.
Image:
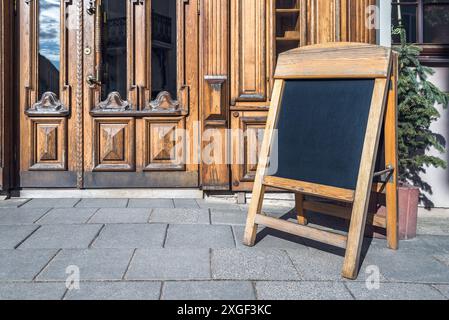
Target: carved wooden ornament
{"type": "Point", "coordinates": [48, 105]}
{"type": "Point", "coordinates": [163, 102]}
{"type": "Point", "coordinates": [113, 103]}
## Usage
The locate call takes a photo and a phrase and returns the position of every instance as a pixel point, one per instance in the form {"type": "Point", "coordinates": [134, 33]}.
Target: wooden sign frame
{"type": "Point", "coordinates": [337, 61]}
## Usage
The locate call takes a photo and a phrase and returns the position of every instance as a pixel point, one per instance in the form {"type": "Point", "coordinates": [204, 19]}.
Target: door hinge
{"type": "Point", "coordinates": [199, 7]}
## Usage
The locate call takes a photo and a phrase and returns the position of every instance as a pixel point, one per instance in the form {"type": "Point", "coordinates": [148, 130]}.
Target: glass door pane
{"type": "Point", "coordinates": [164, 49]}
{"type": "Point", "coordinates": [49, 46]}
{"type": "Point", "coordinates": [114, 48]}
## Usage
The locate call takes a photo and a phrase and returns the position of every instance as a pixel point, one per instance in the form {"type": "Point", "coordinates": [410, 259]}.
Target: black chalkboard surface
{"type": "Point", "coordinates": [321, 130]}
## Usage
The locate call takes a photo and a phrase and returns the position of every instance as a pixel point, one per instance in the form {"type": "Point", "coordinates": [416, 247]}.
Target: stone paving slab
{"type": "Point", "coordinates": [186, 203]}
{"type": "Point", "coordinates": [62, 237]}
{"type": "Point", "coordinates": [102, 203]}
{"type": "Point", "coordinates": [51, 203]}
{"type": "Point", "coordinates": [228, 217]}
{"type": "Point", "coordinates": [19, 216]}
{"type": "Point", "coordinates": [252, 264]}
{"type": "Point", "coordinates": [121, 215]}
{"type": "Point", "coordinates": [438, 244]}
{"type": "Point", "coordinates": [151, 203]}
{"type": "Point", "coordinates": [433, 226]}
{"type": "Point", "coordinates": [199, 236]}
{"type": "Point", "coordinates": [67, 216]}
{"type": "Point", "coordinates": [394, 291]}
{"type": "Point", "coordinates": [444, 289]}
{"type": "Point", "coordinates": [18, 265]}
{"type": "Point", "coordinates": [204, 204]}
{"type": "Point", "coordinates": [270, 208]}
{"type": "Point", "coordinates": [425, 244]}
{"type": "Point", "coordinates": [317, 265]}
{"type": "Point", "coordinates": [11, 236]}
{"type": "Point", "coordinates": [116, 291]}
{"type": "Point", "coordinates": [407, 266]}
{"type": "Point", "coordinates": [13, 202]}
{"type": "Point", "coordinates": [93, 264]}
{"type": "Point", "coordinates": [208, 290]}
{"type": "Point", "coordinates": [180, 216]}
{"type": "Point", "coordinates": [305, 290]}
{"type": "Point", "coordinates": [442, 258]}
{"type": "Point", "coordinates": [31, 291]}
{"type": "Point", "coordinates": [170, 264]}
{"type": "Point", "coordinates": [131, 236]}
{"type": "Point", "coordinates": [270, 239]}
{"type": "Point", "coordinates": [275, 211]}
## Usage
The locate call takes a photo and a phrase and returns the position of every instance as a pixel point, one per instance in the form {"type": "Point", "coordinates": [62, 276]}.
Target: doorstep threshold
{"type": "Point", "coordinates": [113, 193]}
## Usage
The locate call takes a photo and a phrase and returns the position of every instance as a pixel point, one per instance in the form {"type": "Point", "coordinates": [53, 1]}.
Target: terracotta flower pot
{"type": "Point", "coordinates": [408, 200]}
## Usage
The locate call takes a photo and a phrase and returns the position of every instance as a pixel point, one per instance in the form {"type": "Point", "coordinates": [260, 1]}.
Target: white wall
{"type": "Point", "coordinates": [439, 178]}
{"type": "Point", "coordinates": [384, 33]}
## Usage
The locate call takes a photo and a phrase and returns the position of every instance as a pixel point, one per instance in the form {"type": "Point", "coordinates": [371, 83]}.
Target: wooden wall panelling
{"type": "Point", "coordinates": [214, 35]}
{"type": "Point", "coordinates": [248, 46]}
{"type": "Point", "coordinates": [271, 45]}
{"type": "Point", "coordinates": [323, 21]}
{"type": "Point", "coordinates": [165, 144]}
{"type": "Point", "coordinates": [6, 90]}
{"type": "Point", "coordinates": [354, 15]}
{"type": "Point", "coordinates": [247, 133]}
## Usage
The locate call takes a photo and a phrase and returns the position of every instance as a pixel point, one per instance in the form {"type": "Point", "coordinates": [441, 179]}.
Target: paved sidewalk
{"type": "Point", "coordinates": [191, 249]}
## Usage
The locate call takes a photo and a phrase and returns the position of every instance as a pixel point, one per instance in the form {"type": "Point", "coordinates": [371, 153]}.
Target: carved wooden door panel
{"type": "Point", "coordinates": [109, 93]}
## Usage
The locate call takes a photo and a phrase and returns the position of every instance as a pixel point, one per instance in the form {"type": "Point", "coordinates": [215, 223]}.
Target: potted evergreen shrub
{"type": "Point", "coordinates": [417, 100]}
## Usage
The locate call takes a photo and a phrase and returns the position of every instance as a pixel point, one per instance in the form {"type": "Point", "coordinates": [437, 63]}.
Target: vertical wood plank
{"type": "Point", "coordinates": [259, 189]}
{"type": "Point", "coordinates": [391, 158]}
{"type": "Point", "coordinates": [364, 184]}
{"type": "Point", "coordinates": [354, 15]}
{"type": "Point", "coordinates": [299, 206]}
{"type": "Point", "coordinates": [6, 89]}
{"type": "Point", "coordinates": [214, 35]}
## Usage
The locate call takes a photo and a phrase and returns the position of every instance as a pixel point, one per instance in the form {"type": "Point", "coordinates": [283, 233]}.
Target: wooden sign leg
{"type": "Point", "coordinates": [364, 184]}
{"type": "Point", "coordinates": [391, 159]}
{"type": "Point", "coordinates": [254, 209]}
{"type": "Point", "coordinates": [300, 212]}
{"type": "Point", "coordinates": [259, 188]}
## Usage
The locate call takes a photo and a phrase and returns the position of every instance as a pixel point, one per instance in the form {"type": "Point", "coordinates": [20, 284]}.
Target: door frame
{"type": "Point", "coordinates": [6, 94]}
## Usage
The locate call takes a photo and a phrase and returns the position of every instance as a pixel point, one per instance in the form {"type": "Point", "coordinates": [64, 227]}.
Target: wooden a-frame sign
{"type": "Point", "coordinates": [320, 84]}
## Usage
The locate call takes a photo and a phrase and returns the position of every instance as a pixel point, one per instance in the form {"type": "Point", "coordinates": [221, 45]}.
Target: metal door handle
{"type": "Point", "coordinates": [91, 10]}
{"type": "Point", "coordinates": [92, 81]}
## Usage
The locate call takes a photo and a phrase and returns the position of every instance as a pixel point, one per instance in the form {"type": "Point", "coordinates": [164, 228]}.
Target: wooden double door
{"type": "Point", "coordinates": [108, 93]}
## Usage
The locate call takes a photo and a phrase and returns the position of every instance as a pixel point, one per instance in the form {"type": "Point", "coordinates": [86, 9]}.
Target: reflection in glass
{"type": "Point", "coordinates": [114, 45]}
{"type": "Point", "coordinates": [405, 15]}
{"type": "Point", "coordinates": [163, 51]}
{"type": "Point", "coordinates": [436, 24]}
{"type": "Point", "coordinates": [49, 45]}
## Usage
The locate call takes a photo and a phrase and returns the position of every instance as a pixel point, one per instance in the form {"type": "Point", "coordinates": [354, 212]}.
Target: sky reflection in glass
{"type": "Point", "coordinates": [49, 30]}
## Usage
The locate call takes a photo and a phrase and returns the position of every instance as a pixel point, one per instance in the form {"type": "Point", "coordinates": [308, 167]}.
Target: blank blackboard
{"type": "Point", "coordinates": [321, 130]}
